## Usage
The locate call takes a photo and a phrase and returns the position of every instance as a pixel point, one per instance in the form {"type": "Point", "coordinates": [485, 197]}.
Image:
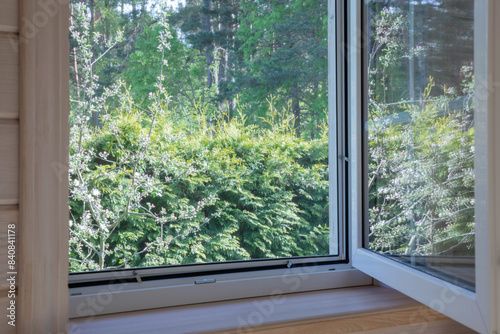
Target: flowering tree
{"type": "Point", "coordinates": [118, 169]}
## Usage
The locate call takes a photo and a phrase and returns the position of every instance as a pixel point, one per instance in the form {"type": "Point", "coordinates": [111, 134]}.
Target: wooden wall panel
{"type": "Point", "coordinates": [8, 215]}
{"type": "Point", "coordinates": [9, 145]}
{"type": "Point", "coordinates": [9, 76]}
{"type": "Point", "coordinates": [5, 328]}
{"type": "Point", "coordinates": [9, 15]}
{"type": "Point", "coordinates": [43, 193]}
{"type": "Point", "coordinates": [9, 162]}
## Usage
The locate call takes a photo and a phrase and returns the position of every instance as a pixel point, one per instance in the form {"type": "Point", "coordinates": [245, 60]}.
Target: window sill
{"type": "Point", "coordinates": [250, 314]}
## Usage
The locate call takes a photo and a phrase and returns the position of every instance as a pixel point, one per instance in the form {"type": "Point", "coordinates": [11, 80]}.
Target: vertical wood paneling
{"type": "Point", "coordinates": [9, 76]}
{"type": "Point", "coordinates": [8, 215]}
{"type": "Point", "coordinates": [9, 162]}
{"type": "Point", "coordinates": [9, 147]}
{"type": "Point", "coordinates": [5, 328]}
{"type": "Point", "coordinates": [43, 188]}
{"type": "Point", "coordinates": [9, 15]}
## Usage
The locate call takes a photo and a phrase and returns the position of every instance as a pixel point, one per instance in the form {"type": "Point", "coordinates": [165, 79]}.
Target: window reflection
{"type": "Point", "coordinates": [420, 129]}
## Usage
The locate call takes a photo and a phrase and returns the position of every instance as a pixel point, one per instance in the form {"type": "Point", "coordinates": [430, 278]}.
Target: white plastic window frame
{"type": "Point", "coordinates": [116, 296]}
{"type": "Point", "coordinates": [478, 310]}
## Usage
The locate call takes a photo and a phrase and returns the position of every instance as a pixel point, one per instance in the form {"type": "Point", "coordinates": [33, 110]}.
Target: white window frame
{"type": "Point", "coordinates": [117, 297]}
{"type": "Point", "coordinates": [477, 310]}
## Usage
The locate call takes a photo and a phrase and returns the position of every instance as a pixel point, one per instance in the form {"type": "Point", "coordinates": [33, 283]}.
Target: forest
{"type": "Point", "coordinates": [199, 133]}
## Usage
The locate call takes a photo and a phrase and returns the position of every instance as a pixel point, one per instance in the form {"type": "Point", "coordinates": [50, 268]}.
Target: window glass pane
{"type": "Point", "coordinates": [198, 132]}
{"type": "Point", "coordinates": [420, 131]}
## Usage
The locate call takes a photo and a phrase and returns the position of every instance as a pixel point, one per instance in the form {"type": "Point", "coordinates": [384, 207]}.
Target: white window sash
{"type": "Point", "coordinates": [477, 310]}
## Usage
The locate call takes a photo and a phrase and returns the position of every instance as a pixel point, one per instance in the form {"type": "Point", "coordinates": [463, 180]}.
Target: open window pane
{"type": "Point", "coordinates": [420, 135]}
{"type": "Point", "coordinates": [199, 132]}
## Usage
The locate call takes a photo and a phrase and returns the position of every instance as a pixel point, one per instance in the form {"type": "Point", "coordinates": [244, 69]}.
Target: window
{"type": "Point", "coordinates": [420, 129]}
{"type": "Point", "coordinates": [202, 139]}
{"type": "Point", "coordinates": [424, 154]}
{"type": "Point", "coordinates": [474, 301]}
{"type": "Point", "coordinates": [216, 150]}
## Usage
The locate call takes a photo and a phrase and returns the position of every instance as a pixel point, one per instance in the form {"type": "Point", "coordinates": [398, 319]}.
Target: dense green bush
{"type": "Point", "coordinates": [267, 191]}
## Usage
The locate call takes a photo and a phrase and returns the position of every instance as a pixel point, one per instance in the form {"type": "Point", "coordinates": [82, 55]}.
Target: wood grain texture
{"type": "Point", "coordinates": [419, 320]}
{"type": "Point", "coordinates": [44, 139]}
{"type": "Point", "coordinates": [9, 78]}
{"type": "Point", "coordinates": [365, 310]}
{"type": "Point", "coordinates": [9, 163]}
{"type": "Point", "coordinates": [444, 326]}
{"type": "Point", "coordinates": [9, 144]}
{"type": "Point", "coordinates": [5, 328]}
{"type": "Point", "coordinates": [248, 314]}
{"type": "Point", "coordinates": [9, 216]}
{"type": "Point", "coordinates": [9, 15]}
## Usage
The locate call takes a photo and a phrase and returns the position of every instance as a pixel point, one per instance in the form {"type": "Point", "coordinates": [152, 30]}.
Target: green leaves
{"type": "Point", "coordinates": [271, 192]}
{"type": "Point", "coordinates": [167, 166]}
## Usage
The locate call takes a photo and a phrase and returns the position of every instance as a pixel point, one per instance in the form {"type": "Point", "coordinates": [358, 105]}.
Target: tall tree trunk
{"type": "Point", "coordinates": [224, 47]}
{"type": "Point", "coordinates": [208, 49]}
{"type": "Point", "coordinates": [222, 65]}
{"type": "Point", "coordinates": [295, 91]}
{"type": "Point", "coordinates": [314, 124]}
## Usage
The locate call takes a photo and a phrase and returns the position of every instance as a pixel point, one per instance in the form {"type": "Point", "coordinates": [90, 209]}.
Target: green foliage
{"type": "Point", "coordinates": [270, 192]}
{"type": "Point", "coordinates": [166, 165]}
{"type": "Point", "coordinates": [198, 134]}
{"type": "Point", "coordinates": [184, 78]}
{"type": "Point", "coordinates": [284, 51]}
